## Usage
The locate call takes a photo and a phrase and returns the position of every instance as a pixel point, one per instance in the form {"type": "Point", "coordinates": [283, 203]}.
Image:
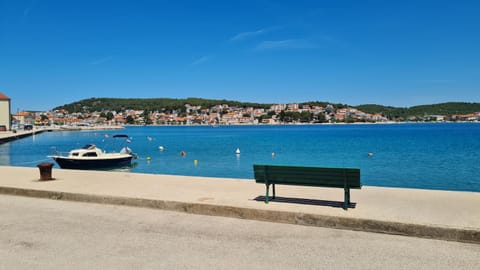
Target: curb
{"type": "Point", "coordinates": [366, 225]}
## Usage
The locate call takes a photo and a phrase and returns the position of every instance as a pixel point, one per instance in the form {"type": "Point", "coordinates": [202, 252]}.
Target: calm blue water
{"type": "Point", "coordinates": [430, 156]}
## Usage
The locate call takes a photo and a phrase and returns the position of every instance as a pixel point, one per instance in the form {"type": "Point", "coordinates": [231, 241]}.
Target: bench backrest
{"type": "Point", "coordinates": [307, 176]}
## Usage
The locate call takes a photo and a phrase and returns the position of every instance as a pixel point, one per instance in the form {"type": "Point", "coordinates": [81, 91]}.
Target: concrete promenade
{"type": "Point", "coordinates": [444, 215]}
{"type": "Point", "coordinates": [7, 136]}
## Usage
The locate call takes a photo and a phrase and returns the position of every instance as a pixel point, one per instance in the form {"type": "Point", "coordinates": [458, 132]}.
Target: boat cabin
{"type": "Point", "coordinates": [89, 150]}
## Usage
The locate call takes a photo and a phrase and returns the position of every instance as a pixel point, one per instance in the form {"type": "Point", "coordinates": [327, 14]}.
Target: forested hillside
{"type": "Point", "coordinates": [450, 108]}
{"type": "Point", "coordinates": [148, 104]}
{"type": "Point", "coordinates": [169, 104]}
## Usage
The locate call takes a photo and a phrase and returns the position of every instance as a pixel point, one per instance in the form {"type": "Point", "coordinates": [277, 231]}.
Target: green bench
{"type": "Point", "coordinates": [345, 178]}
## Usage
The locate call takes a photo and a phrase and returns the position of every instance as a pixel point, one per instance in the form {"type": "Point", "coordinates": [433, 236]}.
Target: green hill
{"type": "Point", "coordinates": [449, 108]}
{"type": "Point", "coordinates": [169, 104]}
{"type": "Point", "coordinates": [149, 104]}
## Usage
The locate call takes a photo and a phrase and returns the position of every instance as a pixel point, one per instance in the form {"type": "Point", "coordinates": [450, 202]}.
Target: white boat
{"type": "Point", "coordinates": [92, 157]}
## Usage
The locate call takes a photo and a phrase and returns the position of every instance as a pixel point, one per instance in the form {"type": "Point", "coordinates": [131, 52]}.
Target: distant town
{"type": "Point", "coordinates": [115, 112]}
{"type": "Point", "coordinates": [223, 114]}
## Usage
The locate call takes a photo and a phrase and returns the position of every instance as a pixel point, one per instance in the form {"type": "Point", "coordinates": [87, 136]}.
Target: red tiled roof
{"type": "Point", "coordinates": [3, 97]}
{"type": "Point", "coordinates": [22, 114]}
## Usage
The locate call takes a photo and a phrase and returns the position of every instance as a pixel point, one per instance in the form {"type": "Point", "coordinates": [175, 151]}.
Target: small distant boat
{"type": "Point", "coordinates": [91, 157]}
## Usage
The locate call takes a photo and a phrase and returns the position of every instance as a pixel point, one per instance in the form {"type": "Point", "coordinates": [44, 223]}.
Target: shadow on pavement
{"type": "Point", "coordinates": [335, 204]}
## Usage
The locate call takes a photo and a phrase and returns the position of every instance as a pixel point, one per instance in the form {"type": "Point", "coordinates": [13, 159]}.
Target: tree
{"type": "Point", "coordinates": [349, 119]}
{"type": "Point", "coordinates": [306, 117]}
{"type": "Point", "coordinates": [146, 118]}
{"type": "Point", "coordinates": [109, 116]}
{"type": "Point", "coordinates": [281, 116]}
{"type": "Point", "coordinates": [291, 117]}
{"type": "Point", "coordinates": [321, 118]}
{"type": "Point", "coordinates": [263, 116]}
{"type": "Point", "coordinates": [129, 120]}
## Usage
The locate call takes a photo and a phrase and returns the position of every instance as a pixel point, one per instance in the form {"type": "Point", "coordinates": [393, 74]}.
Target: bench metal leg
{"type": "Point", "coordinates": [346, 202]}
{"type": "Point", "coordinates": [266, 196]}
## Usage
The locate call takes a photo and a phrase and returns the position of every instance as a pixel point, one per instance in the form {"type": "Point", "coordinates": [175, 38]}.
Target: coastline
{"type": "Point", "coordinates": [307, 124]}
{"type": "Point", "coordinates": [159, 150]}
{"type": "Point", "coordinates": [8, 136]}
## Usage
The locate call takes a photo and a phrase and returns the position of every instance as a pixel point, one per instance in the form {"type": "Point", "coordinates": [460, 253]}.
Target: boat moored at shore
{"type": "Point", "coordinates": [91, 157]}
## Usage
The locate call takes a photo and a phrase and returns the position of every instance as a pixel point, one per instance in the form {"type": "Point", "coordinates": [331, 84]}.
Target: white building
{"type": "Point", "coordinates": [4, 112]}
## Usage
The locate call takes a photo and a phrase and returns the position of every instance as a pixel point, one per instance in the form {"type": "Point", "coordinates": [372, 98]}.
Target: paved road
{"type": "Point", "coordinates": [47, 234]}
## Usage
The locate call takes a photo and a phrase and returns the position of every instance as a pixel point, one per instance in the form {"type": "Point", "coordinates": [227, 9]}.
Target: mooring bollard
{"type": "Point", "coordinates": [45, 171]}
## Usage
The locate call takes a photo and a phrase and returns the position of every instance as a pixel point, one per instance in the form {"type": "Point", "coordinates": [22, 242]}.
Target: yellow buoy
{"type": "Point", "coordinates": [148, 158]}
{"type": "Point", "coordinates": [195, 162]}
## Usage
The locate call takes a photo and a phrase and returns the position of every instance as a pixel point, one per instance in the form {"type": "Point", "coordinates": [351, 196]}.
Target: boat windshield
{"type": "Point", "coordinates": [88, 146]}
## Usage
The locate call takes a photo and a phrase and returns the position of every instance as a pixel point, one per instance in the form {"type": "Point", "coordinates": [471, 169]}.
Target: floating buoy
{"type": "Point", "coordinates": [148, 158]}
{"type": "Point", "coordinates": [273, 154]}
{"type": "Point", "coordinates": [195, 162]}
{"type": "Point", "coordinates": [370, 154]}
{"type": "Point", "coordinates": [237, 151]}
{"type": "Point", "coordinates": [160, 148]}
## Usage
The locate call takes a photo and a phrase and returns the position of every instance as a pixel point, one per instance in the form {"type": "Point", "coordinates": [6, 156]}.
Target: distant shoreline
{"type": "Point", "coordinates": [8, 136]}
{"type": "Point", "coordinates": [305, 124]}
{"type": "Point", "coordinates": [36, 130]}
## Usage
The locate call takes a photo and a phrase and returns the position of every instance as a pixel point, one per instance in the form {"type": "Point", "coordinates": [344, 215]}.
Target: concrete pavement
{"type": "Point", "coordinates": [7, 136]}
{"type": "Point", "coordinates": [45, 234]}
{"type": "Point", "coordinates": [445, 215]}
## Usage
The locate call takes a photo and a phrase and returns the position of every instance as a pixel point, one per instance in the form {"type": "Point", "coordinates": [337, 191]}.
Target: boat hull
{"type": "Point", "coordinates": [89, 164]}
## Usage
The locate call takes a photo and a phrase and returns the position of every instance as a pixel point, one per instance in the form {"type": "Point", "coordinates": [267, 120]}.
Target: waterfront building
{"type": "Point", "coordinates": [24, 118]}
{"type": "Point", "coordinates": [293, 107]}
{"type": "Point", "coordinates": [5, 123]}
{"type": "Point", "coordinates": [278, 108]}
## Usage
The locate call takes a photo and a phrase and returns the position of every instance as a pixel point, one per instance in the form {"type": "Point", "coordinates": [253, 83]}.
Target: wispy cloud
{"type": "Point", "coordinates": [285, 45]}
{"type": "Point", "coordinates": [101, 60]}
{"type": "Point", "coordinates": [248, 35]}
{"type": "Point", "coordinates": [200, 61]}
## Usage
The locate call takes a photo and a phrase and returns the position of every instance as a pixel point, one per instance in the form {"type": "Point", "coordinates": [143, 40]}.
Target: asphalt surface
{"type": "Point", "coordinates": [48, 234]}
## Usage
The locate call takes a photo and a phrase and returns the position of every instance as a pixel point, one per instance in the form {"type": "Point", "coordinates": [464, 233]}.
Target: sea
{"type": "Point", "coordinates": [441, 156]}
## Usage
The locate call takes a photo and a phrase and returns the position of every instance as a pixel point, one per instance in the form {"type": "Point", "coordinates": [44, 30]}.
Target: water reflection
{"type": "Point", "coordinates": [5, 153]}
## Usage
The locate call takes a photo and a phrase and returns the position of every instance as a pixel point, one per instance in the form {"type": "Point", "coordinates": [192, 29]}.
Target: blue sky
{"type": "Point", "coordinates": [398, 53]}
